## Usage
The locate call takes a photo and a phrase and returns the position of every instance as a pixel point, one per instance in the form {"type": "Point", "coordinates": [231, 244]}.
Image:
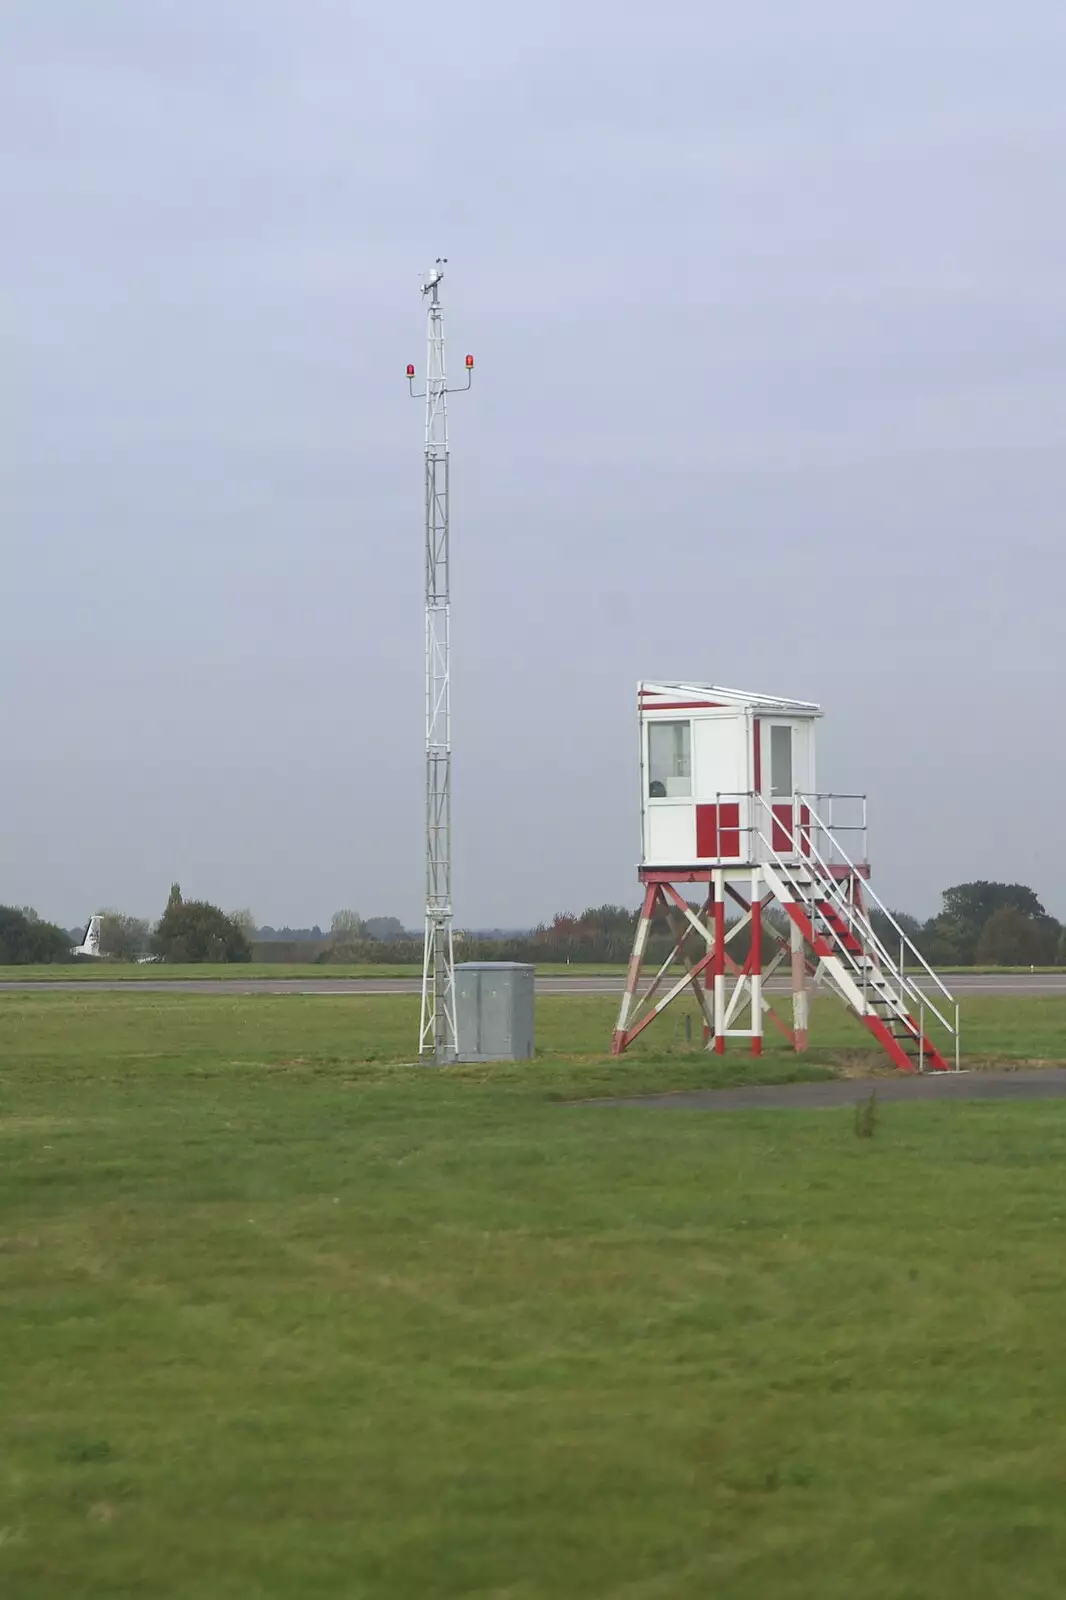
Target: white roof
{"type": "Point", "coordinates": [713, 694]}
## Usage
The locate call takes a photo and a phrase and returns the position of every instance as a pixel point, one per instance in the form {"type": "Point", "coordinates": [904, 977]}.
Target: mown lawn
{"type": "Point", "coordinates": [281, 1319]}
{"type": "Point", "coordinates": [94, 1027]}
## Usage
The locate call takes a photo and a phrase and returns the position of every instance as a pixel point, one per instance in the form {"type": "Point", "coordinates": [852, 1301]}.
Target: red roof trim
{"type": "Point", "coordinates": [647, 704]}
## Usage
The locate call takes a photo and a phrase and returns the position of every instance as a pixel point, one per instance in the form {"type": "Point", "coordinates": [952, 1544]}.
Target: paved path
{"type": "Point", "coordinates": [1036, 1083]}
{"type": "Point", "coordinates": [1015, 983]}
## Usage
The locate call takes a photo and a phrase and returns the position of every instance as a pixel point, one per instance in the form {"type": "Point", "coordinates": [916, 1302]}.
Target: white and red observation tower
{"type": "Point", "coordinates": [729, 801]}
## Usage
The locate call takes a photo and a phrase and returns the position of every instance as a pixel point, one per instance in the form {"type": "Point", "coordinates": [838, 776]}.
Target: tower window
{"type": "Point", "coordinates": [669, 760]}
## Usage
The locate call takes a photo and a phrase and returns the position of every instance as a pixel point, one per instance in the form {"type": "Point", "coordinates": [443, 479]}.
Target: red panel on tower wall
{"type": "Point", "coordinates": [718, 836]}
{"type": "Point", "coordinates": [706, 832]}
{"type": "Point", "coordinates": [805, 830]}
{"type": "Point", "coordinates": [781, 834]}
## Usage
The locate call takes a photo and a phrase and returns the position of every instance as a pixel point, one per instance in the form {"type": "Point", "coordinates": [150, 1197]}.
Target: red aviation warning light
{"type": "Point", "coordinates": [469, 363]}
{"type": "Point", "coordinates": [410, 369]}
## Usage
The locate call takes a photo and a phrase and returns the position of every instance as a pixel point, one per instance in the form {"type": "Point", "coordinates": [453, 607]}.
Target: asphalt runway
{"type": "Point", "coordinates": [1040, 1083]}
{"type": "Point", "coordinates": [1038, 985]}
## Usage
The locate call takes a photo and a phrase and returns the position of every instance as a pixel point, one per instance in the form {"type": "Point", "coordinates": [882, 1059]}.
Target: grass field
{"type": "Point", "coordinates": [279, 1318]}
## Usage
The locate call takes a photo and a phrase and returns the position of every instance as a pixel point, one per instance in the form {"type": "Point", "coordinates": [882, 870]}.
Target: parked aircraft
{"type": "Point", "coordinates": [90, 944]}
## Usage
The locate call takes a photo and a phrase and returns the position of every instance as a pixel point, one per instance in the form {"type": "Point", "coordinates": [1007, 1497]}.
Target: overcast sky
{"type": "Point", "coordinates": [769, 306]}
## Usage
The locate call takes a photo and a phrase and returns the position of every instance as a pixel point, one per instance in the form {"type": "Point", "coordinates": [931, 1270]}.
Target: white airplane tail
{"type": "Point", "coordinates": [90, 944]}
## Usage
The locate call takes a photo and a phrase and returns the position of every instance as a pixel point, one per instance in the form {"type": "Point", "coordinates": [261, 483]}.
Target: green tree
{"type": "Point", "coordinates": [193, 930]}
{"type": "Point", "coordinates": [245, 920]}
{"type": "Point", "coordinates": [608, 919]}
{"type": "Point", "coordinates": [1010, 939]}
{"type": "Point", "coordinates": [122, 936]}
{"type": "Point", "coordinates": [46, 942]}
{"type": "Point", "coordinates": [969, 906]}
{"type": "Point", "coordinates": [944, 945]}
{"type": "Point", "coordinates": [975, 902]}
{"type": "Point", "coordinates": [25, 939]}
{"type": "Point", "coordinates": [345, 927]}
{"type": "Point", "coordinates": [889, 936]}
{"type": "Point", "coordinates": [346, 933]}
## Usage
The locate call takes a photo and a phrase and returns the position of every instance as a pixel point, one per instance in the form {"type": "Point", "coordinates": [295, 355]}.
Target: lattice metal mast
{"type": "Point", "coordinates": [437, 1028]}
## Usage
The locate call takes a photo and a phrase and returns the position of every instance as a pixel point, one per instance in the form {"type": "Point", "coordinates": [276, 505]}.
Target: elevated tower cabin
{"type": "Point", "coordinates": [729, 802]}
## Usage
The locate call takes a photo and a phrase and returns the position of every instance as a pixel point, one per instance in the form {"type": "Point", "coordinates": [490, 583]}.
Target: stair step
{"type": "Point", "coordinates": [846, 951]}
{"type": "Point", "coordinates": [844, 937]}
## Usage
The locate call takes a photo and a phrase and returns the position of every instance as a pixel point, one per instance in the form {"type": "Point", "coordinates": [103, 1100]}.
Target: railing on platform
{"type": "Point", "coordinates": [830, 815]}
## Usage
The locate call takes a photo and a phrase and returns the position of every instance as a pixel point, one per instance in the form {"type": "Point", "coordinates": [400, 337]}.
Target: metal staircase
{"type": "Point", "coordinates": [911, 1014]}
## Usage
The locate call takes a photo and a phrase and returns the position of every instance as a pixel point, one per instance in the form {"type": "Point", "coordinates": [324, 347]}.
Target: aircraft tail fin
{"type": "Point", "coordinates": [90, 944]}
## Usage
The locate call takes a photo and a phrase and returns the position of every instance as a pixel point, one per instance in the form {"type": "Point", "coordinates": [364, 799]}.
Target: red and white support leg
{"type": "Point", "coordinates": [636, 960]}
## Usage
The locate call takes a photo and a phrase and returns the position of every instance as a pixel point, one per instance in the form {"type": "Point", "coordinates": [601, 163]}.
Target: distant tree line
{"type": "Point", "coordinates": [981, 923]}
{"type": "Point", "coordinates": [188, 930]}
{"type": "Point", "coordinates": [367, 928]}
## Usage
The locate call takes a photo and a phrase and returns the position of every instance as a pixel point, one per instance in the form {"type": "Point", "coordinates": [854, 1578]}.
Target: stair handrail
{"type": "Point", "coordinates": [904, 939]}
{"type": "Point", "coordinates": [813, 859]}
{"type": "Point", "coordinates": [835, 827]}
{"type": "Point", "coordinates": [852, 915]}
{"type": "Point", "coordinates": [860, 924]}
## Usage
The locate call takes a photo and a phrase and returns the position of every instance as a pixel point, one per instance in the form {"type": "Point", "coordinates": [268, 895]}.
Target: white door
{"type": "Point", "coordinates": [779, 785]}
{"type": "Point", "coordinates": [788, 776]}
